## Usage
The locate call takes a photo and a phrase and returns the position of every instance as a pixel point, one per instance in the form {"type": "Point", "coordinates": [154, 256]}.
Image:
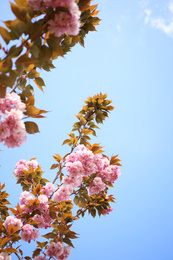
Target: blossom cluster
{"type": "Point", "coordinates": [24, 165]}
{"type": "Point", "coordinates": [84, 163]}
{"type": "Point", "coordinates": [65, 19]}
{"type": "Point", "coordinates": [56, 250]}
{"type": "Point", "coordinates": [28, 233]}
{"type": "Point", "coordinates": [12, 128]}
{"type": "Point", "coordinates": [30, 204]}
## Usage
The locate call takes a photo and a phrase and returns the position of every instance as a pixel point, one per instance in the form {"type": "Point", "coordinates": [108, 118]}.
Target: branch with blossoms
{"type": "Point", "coordinates": [84, 177]}
{"type": "Point", "coordinates": [44, 30]}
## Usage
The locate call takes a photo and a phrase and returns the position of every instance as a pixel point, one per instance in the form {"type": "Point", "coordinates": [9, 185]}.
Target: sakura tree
{"type": "Point", "coordinates": [45, 30]}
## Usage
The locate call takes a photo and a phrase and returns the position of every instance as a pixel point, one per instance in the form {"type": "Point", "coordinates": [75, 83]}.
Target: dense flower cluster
{"type": "Point", "coordinates": [28, 233]}
{"type": "Point", "coordinates": [30, 204]}
{"type": "Point", "coordinates": [57, 251]}
{"type": "Point", "coordinates": [10, 220]}
{"type": "Point", "coordinates": [84, 163]}
{"type": "Point", "coordinates": [24, 165]}
{"type": "Point", "coordinates": [12, 128]}
{"type": "Point", "coordinates": [66, 20]}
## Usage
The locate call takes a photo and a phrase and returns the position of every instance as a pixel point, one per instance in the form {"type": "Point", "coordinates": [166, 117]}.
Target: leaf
{"type": "Point", "coordinates": [2, 91]}
{"type": "Point", "coordinates": [68, 241]}
{"type": "Point", "coordinates": [87, 131]}
{"type": "Point", "coordinates": [54, 45]}
{"type": "Point", "coordinates": [11, 250]}
{"type": "Point", "coordinates": [31, 127]}
{"type": "Point", "coordinates": [71, 235]}
{"type": "Point", "coordinates": [93, 212]}
{"type": "Point", "coordinates": [21, 2]}
{"type": "Point", "coordinates": [57, 157]}
{"type": "Point", "coordinates": [5, 35]}
{"type": "Point", "coordinates": [24, 61]}
{"type": "Point", "coordinates": [36, 252]}
{"type": "Point", "coordinates": [39, 82]}
{"type": "Point", "coordinates": [33, 74]}
{"type": "Point", "coordinates": [32, 111]}
{"type": "Point", "coordinates": [37, 189]}
{"type": "Point", "coordinates": [28, 91]}
{"type": "Point", "coordinates": [16, 11]}
{"type": "Point", "coordinates": [14, 51]}
{"type": "Point", "coordinates": [67, 141]}
{"type": "Point", "coordinates": [30, 101]}
{"type": "Point", "coordinates": [76, 200]}
{"type": "Point", "coordinates": [54, 166]}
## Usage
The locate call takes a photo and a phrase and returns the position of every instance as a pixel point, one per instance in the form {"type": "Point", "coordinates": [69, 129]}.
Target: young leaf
{"type": "Point", "coordinates": [31, 127]}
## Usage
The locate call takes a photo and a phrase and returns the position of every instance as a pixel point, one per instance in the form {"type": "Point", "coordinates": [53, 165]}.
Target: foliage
{"type": "Point", "coordinates": [89, 173]}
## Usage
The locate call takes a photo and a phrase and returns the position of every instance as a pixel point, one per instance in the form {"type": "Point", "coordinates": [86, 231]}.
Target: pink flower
{"type": "Point", "coordinates": [66, 253]}
{"type": "Point", "coordinates": [4, 256]}
{"type": "Point", "coordinates": [55, 249]}
{"type": "Point", "coordinates": [48, 189]}
{"type": "Point", "coordinates": [44, 220]}
{"type": "Point", "coordinates": [40, 258]}
{"type": "Point", "coordinates": [12, 128]}
{"type": "Point", "coordinates": [107, 211]}
{"type": "Point", "coordinates": [29, 234]}
{"type": "Point", "coordinates": [10, 220]}
{"type": "Point", "coordinates": [63, 193]}
{"type": "Point", "coordinates": [33, 164]}
{"type": "Point", "coordinates": [24, 165]}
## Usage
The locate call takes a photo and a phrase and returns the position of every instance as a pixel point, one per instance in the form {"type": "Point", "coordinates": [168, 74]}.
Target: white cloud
{"type": "Point", "coordinates": [118, 27]}
{"type": "Point", "coordinates": [144, 3]}
{"type": "Point", "coordinates": [148, 13]}
{"type": "Point", "coordinates": [171, 7]}
{"type": "Point", "coordinates": [160, 23]}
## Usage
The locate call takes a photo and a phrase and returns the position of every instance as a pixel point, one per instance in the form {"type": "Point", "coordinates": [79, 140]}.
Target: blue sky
{"type": "Point", "coordinates": [130, 58]}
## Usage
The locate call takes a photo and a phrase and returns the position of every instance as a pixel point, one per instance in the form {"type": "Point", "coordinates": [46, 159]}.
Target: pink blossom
{"type": "Point", "coordinates": [4, 131]}
{"type": "Point", "coordinates": [24, 165]}
{"type": "Point", "coordinates": [66, 253]}
{"type": "Point", "coordinates": [48, 189]}
{"type": "Point", "coordinates": [12, 128]}
{"type": "Point", "coordinates": [36, 5]}
{"type": "Point", "coordinates": [4, 256]}
{"type": "Point", "coordinates": [10, 220]}
{"type": "Point", "coordinates": [29, 234]}
{"type": "Point", "coordinates": [35, 234]}
{"type": "Point", "coordinates": [33, 164]}
{"type": "Point", "coordinates": [107, 211]}
{"type": "Point", "coordinates": [25, 198]}
{"type": "Point", "coordinates": [40, 257]}
{"type": "Point", "coordinates": [55, 249]}
{"type": "Point", "coordinates": [44, 220]}
{"type": "Point", "coordinates": [63, 193]}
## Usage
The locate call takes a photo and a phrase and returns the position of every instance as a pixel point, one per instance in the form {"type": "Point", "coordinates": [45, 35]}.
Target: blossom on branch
{"type": "Point", "coordinates": [12, 128]}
